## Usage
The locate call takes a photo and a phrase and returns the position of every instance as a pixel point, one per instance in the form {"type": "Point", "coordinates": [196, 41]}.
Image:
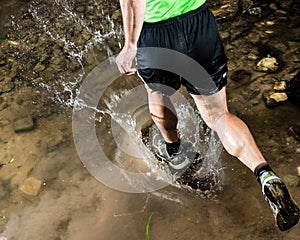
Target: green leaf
{"type": "Point", "coordinates": [148, 227]}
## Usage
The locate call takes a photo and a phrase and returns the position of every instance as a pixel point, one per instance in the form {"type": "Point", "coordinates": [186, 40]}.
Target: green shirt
{"type": "Point", "coordinates": [158, 10]}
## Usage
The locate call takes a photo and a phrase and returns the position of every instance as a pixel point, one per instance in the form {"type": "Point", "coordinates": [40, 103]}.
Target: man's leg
{"type": "Point", "coordinates": [232, 131]}
{"type": "Point", "coordinates": [163, 114]}
{"type": "Point", "coordinates": [169, 148]}
{"type": "Point", "coordinates": [238, 141]}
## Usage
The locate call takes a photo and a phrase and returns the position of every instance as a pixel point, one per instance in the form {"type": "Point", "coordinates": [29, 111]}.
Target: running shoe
{"type": "Point", "coordinates": [285, 209]}
{"type": "Point", "coordinates": [179, 161]}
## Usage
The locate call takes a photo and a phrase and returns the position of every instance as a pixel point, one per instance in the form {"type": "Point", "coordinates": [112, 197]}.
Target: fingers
{"type": "Point", "coordinates": [126, 68]}
{"type": "Point", "coordinates": [124, 62]}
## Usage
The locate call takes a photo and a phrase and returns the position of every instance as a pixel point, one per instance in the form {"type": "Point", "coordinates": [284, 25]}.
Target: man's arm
{"type": "Point", "coordinates": [133, 13]}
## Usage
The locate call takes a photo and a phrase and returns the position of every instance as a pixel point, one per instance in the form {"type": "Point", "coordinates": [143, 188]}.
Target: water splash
{"type": "Point", "coordinates": [83, 34]}
{"type": "Point", "coordinates": [78, 35]}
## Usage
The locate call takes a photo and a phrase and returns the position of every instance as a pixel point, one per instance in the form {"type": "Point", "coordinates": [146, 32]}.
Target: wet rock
{"type": "Point", "coordinates": [273, 99]}
{"type": "Point", "coordinates": [267, 64]}
{"type": "Point", "coordinates": [39, 67]}
{"type": "Point", "coordinates": [225, 35]}
{"type": "Point", "coordinates": [280, 86]}
{"type": "Point", "coordinates": [24, 124]}
{"type": "Point", "coordinates": [279, 96]}
{"type": "Point", "coordinates": [252, 56]}
{"type": "Point", "coordinates": [281, 12]}
{"type": "Point", "coordinates": [291, 180]}
{"type": "Point", "coordinates": [254, 37]}
{"type": "Point", "coordinates": [226, 11]}
{"type": "Point", "coordinates": [255, 11]}
{"type": "Point", "coordinates": [295, 131]}
{"type": "Point", "coordinates": [273, 6]}
{"type": "Point", "coordinates": [6, 86]}
{"type": "Point", "coordinates": [31, 186]}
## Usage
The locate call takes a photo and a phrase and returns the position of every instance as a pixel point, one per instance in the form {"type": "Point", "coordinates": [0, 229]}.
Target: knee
{"type": "Point", "coordinates": [215, 119]}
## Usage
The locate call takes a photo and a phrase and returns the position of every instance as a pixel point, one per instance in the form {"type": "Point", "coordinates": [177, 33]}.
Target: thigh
{"type": "Point", "coordinates": [212, 107]}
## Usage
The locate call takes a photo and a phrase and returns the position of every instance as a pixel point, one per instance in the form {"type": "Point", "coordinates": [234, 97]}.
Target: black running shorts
{"type": "Point", "coordinates": [194, 34]}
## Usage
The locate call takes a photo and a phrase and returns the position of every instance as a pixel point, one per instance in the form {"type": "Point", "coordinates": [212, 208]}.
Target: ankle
{"type": "Point", "coordinates": [173, 147]}
{"type": "Point", "coordinates": [263, 170]}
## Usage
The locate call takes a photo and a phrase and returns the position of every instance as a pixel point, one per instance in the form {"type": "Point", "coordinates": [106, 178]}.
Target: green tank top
{"type": "Point", "coordinates": [158, 10]}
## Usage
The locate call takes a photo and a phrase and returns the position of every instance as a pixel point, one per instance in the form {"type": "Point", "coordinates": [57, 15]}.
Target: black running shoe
{"type": "Point", "coordinates": [179, 161]}
{"type": "Point", "coordinates": [285, 209]}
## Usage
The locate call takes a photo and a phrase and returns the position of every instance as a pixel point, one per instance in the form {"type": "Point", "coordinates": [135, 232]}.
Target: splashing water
{"type": "Point", "coordinates": [77, 35]}
{"type": "Point", "coordinates": [70, 37]}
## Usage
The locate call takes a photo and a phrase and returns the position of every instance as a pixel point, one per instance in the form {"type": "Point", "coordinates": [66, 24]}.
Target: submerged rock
{"type": "Point", "coordinates": [31, 186]}
{"type": "Point", "coordinates": [24, 124]}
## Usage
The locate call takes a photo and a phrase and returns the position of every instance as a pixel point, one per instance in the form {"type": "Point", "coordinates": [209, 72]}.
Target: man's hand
{"type": "Point", "coordinates": [133, 13]}
{"type": "Point", "coordinates": [125, 60]}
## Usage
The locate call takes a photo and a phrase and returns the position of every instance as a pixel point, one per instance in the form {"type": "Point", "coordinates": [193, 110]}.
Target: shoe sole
{"type": "Point", "coordinates": [286, 212]}
{"type": "Point", "coordinates": [182, 166]}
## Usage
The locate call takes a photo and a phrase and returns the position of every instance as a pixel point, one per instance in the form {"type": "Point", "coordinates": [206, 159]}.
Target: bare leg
{"type": "Point", "coordinates": [163, 114]}
{"type": "Point", "coordinates": [232, 131]}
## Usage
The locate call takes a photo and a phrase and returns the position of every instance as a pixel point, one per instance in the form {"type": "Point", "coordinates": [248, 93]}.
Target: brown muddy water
{"type": "Point", "coordinates": [48, 48]}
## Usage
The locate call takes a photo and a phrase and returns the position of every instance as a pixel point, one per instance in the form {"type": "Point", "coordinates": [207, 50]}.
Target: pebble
{"type": "Point", "coordinates": [280, 86]}
{"type": "Point", "coordinates": [31, 186]}
{"type": "Point", "coordinates": [273, 6]}
{"type": "Point", "coordinates": [252, 56]}
{"type": "Point", "coordinates": [39, 67]}
{"type": "Point", "coordinates": [24, 124]}
{"type": "Point", "coordinates": [255, 11]}
{"type": "Point", "coordinates": [298, 171]}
